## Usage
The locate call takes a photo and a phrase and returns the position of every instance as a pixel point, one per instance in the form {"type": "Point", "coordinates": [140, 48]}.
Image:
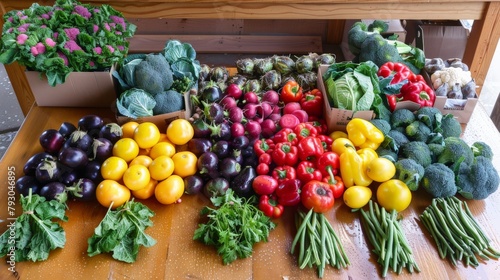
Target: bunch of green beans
{"type": "Point", "coordinates": [457, 234]}
{"type": "Point", "coordinates": [318, 243]}
{"type": "Point", "coordinates": [387, 237]}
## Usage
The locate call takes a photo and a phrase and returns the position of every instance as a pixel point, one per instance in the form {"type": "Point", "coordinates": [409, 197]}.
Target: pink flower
{"type": "Point", "coordinates": [50, 42]}
{"type": "Point", "coordinates": [21, 39]}
{"type": "Point", "coordinates": [23, 28]}
{"type": "Point", "coordinates": [96, 10]}
{"type": "Point", "coordinates": [72, 33]}
{"type": "Point", "coordinates": [45, 16]}
{"type": "Point", "coordinates": [39, 48]}
{"type": "Point", "coordinates": [119, 20]}
{"type": "Point", "coordinates": [61, 55]}
{"type": "Point", "coordinates": [23, 17]}
{"type": "Point", "coordinates": [106, 26]}
{"type": "Point", "coordinates": [110, 48]}
{"type": "Point", "coordinates": [96, 28]}
{"type": "Point", "coordinates": [91, 64]}
{"type": "Point", "coordinates": [84, 12]}
{"type": "Point", "coordinates": [97, 50]}
{"type": "Point", "coordinates": [118, 33]}
{"type": "Point", "coordinates": [56, 34]}
{"type": "Point", "coordinates": [10, 19]}
{"type": "Point", "coordinates": [121, 48]}
{"type": "Point", "coordinates": [72, 46]}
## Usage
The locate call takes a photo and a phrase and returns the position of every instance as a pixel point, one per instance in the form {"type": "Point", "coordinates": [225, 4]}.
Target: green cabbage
{"type": "Point", "coordinates": [135, 103]}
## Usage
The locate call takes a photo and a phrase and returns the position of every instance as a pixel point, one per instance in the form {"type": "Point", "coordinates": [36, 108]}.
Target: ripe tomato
{"type": "Point", "coordinates": [318, 196]}
{"type": "Point", "coordinates": [357, 196]}
{"type": "Point", "coordinates": [161, 168]}
{"type": "Point", "coordinates": [146, 135]}
{"type": "Point", "coordinates": [142, 160]}
{"type": "Point", "coordinates": [164, 138]}
{"type": "Point", "coordinates": [128, 129]}
{"type": "Point", "coordinates": [169, 190]}
{"type": "Point", "coordinates": [113, 168]}
{"type": "Point", "coordinates": [394, 194]}
{"type": "Point", "coordinates": [380, 169]}
{"type": "Point", "coordinates": [180, 131]}
{"type": "Point", "coordinates": [147, 191]}
{"type": "Point", "coordinates": [185, 163]}
{"type": "Point", "coordinates": [136, 177]}
{"type": "Point", "coordinates": [126, 148]}
{"type": "Point", "coordinates": [162, 149]}
{"type": "Point", "coordinates": [111, 192]}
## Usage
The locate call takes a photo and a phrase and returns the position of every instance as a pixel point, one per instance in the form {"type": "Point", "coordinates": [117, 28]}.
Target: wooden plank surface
{"type": "Point", "coordinates": [177, 256]}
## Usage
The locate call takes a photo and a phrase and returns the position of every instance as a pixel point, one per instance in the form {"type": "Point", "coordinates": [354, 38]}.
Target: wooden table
{"type": "Point", "coordinates": [177, 256]}
{"type": "Point", "coordinates": [478, 53]}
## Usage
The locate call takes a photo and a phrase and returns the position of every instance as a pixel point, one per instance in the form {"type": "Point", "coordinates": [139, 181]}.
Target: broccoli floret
{"type": "Point", "coordinates": [387, 153]}
{"type": "Point", "coordinates": [168, 102]}
{"type": "Point", "coordinates": [455, 149]}
{"type": "Point", "coordinates": [379, 26]}
{"type": "Point", "coordinates": [398, 138]}
{"type": "Point", "coordinates": [439, 180]}
{"type": "Point", "coordinates": [355, 37]}
{"type": "Point", "coordinates": [436, 149]}
{"type": "Point", "coordinates": [480, 148]}
{"type": "Point", "coordinates": [402, 118]}
{"type": "Point", "coordinates": [431, 116]}
{"type": "Point", "coordinates": [418, 131]}
{"type": "Point", "coordinates": [450, 126]}
{"type": "Point", "coordinates": [478, 180]}
{"type": "Point", "coordinates": [153, 74]}
{"type": "Point", "coordinates": [418, 151]}
{"type": "Point", "coordinates": [382, 125]}
{"type": "Point", "coordinates": [410, 172]}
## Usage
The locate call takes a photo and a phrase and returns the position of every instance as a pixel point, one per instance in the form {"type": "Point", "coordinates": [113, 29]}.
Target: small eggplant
{"type": "Point", "coordinates": [229, 168]}
{"type": "Point", "coordinates": [208, 163]}
{"type": "Point", "coordinates": [48, 171]}
{"type": "Point", "coordinates": [31, 164]}
{"type": "Point", "coordinates": [27, 182]}
{"type": "Point", "coordinates": [242, 183]}
{"type": "Point", "coordinates": [201, 129]}
{"type": "Point", "coordinates": [54, 191]}
{"type": "Point", "coordinates": [271, 80]}
{"type": "Point", "coordinates": [92, 171]}
{"type": "Point", "coordinates": [90, 123]}
{"type": "Point", "coordinates": [214, 112]}
{"type": "Point", "coordinates": [111, 131]}
{"type": "Point", "coordinates": [211, 93]}
{"type": "Point", "coordinates": [193, 184]}
{"type": "Point", "coordinates": [82, 190]}
{"type": "Point", "coordinates": [240, 142]}
{"type": "Point", "coordinates": [199, 146]}
{"type": "Point", "coordinates": [469, 90]}
{"type": "Point", "coordinates": [51, 141]}
{"type": "Point", "coordinates": [216, 187]}
{"type": "Point", "coordinates": [442, 90]}
{"type": "Point", "coordinates": [222, 149]}
{"type": "Point", "coordinates": [66, 129]}
{"type": "Point", "coordinates": [102, 148]}
{"type": "Point", "coordinates": [73, 157]}
{"type": "Point", "coordinates": [456, 92]}
{"type": "Point", "coordinates": [222, 131]}
{"type": "Point", "coordinates": [80, 139]}
{"type": "Point", "coordinates": [245, 66]}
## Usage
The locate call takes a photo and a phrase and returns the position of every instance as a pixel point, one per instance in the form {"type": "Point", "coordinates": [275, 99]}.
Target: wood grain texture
{"type": "Point", "coordinates": [177, 256]}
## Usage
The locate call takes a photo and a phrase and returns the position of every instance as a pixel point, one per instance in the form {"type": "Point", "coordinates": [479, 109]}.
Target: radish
{"type": "Point", "coordinates": [267, 109]}
{"type": "Point", "coordinates": [271, 96]}
{"type": "Point", "coordinates": [250, 110]}
{"type": "Point", "coordinates": [301, 115]}
{"type": "Point", "coordinates": [291, 107]}
{"type": "Point", "coordinates": [237, 129]}
{"type": "Point", "coordinates": [276, 109]}
{"type": "Point", "coordinates": [228, 102]}
{"type": "Point", "coordinates": [288, 121]}
{"type": "Point", "coordinates": [268, 127]}
{"type": "Point", "coordinates": [251, 97]}
{"type": "Point", "coordinates": [234, 91]}
{"type": "Point", "coordinates": [274, 117]}
{"type": "Point", "coordinates": [235, 114]}
{"type": "Point", "coordinates": [253, 129]}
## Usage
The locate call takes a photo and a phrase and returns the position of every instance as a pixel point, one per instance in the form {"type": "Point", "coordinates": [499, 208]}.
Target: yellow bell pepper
{"type": "Point", "coordinates": [339, 145]}
{"type": "Point", "coordinates": [367, 155]}
{"type": "Point", "coordinates": [352, 169]}
{"type": "Point", "coordinates": [363, 134]}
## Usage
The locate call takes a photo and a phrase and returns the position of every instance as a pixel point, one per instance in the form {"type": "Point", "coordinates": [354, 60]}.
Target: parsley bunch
{"type": "Point", "coordinates": [234, 227]}
{"type": "Point", "coordinates": [36, 234]}
{"type": "Point", "coordinates": [122, 232]}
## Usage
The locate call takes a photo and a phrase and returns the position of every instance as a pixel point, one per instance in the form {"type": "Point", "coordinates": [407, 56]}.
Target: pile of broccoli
{"type": "Point", "coordinates": [428, 152]}
{"type": "Point", "coordinates": [366, 43]}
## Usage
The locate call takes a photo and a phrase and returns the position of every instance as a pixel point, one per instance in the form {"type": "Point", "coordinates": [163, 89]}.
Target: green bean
{"type": "Point", "coordinates": [301, 228]}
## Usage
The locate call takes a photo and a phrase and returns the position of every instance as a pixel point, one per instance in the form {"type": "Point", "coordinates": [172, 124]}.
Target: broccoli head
{"type": "Point", "coordinates": [382, 125]}
{"type": "Point", "coordinates": [387, 153]}
{"type": "Point", "coordinates": [379, 26]}
{"type": "Point", "coordinates": [431, 116]}
{"type": "Point", "coordinates": [450, 126]}
{"type": "Point", "coordinates": [168, 102]}
{"type": "Point", "coordinates": [418, 151]}
{"type": "Point", "coordinates": [402, 118]}
{"type": "Point", "coordinates": [418, 131]}
{"type": "Point", "coordinates": [478, 180]}
{"type": "Point", "coordinates": [410, 172]}
{"type": "Point", "coordinates": [153, 74]}
{"type": "Point", "coordinates": [439, 180]}
{"type": "Point", "coordinates": [436, 149]}
{"type": "Point", "coordinates": [480, 148]}
{"type": "Point", "coordinates": [394, 139]}
{"type": "Point", "coordinates": [455, 150]}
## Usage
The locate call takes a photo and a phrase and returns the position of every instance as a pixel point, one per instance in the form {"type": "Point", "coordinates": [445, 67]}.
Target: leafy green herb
{"type": "Point", "coordinates": [234, 227]}
{"type": "Point", "coordinates": [122, 232]}
{"type": "Point", "coordinates": [36, 234]}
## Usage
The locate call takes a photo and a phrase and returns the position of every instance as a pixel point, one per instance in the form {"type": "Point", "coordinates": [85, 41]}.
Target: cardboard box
{"type": "Point", "coordinates": [446, 39]}
{"type": "Point", "coordinates": [81, 89]}
{"type": "Point", "coordinates": [337, 119]}
{"type": "Point", "coordinates": [461, 109]}
{"type": "Point", "coordinates": [395, 27]}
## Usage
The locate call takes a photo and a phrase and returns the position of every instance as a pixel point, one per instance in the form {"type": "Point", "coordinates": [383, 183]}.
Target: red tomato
{"type": "Point", "coordinates": [264, 184]}
{"type": "Point", "coordinates": [318, 196]}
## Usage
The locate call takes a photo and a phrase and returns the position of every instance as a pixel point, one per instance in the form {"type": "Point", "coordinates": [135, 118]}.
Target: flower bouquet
{"type": "Point", "coordinates": [66, 37]}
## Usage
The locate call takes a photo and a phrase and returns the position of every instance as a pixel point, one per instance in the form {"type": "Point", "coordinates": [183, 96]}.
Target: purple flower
{"type": "Point", "coordinates": [96, 10]}
{"type": "Point", "coordinates": [56, 34]}
{"type": "Point", "coordinates": [45, 16]}
{"type": "Point", "coordinates": [119, 20]}
{"type": "Point", "coordinates": [84, 12]}
{"type": "Point", "coordinates": [61, 55]}
{"type": "Point", "coordinates": [21, 39]}
{"type": "Point", "coordinates": [91, 64]}
{"type": "Point", "coordinates": [96, 28]}
{"type": "Point", "coordinates": [72, 33]}
{"type": "Point", "coordinates": [110, 48]}
{"type": "Point", "coordinates": [50, 42]}
{"type": "Point", "coordinates": [72, 46]}
{"type": "Point", "coordinates": [10, 19]}
{"type": "Point", "coordinates": [121, 48]}
{"type": "Point", "coordinates": [97, 50]}
{"type": "Point", "coordinates": [118, 32]}
{"type": "Point", "coordinates": [23, 17]}
{"type": "Point", "coordinates": [23, 28]}
{"type": "Point", "coordinates": [39, 48]}
{"type": "Point", "coordinates": [106, 26]}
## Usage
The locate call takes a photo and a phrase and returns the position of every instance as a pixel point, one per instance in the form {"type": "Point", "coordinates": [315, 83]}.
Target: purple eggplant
{"type": "Point", "coordinates": [25, 183]}
{"type": "Point", "coordinates": [82, 190]}
{"type": "Point", "coordinates": [240, 142]}
{"type": "Point", "coordinates": [213, 112]}
{"type": "Point", "coordinates": [31, 164]}
{"type": "Point", "coordinates": [54, 191]}
{"type": "Point", "coordinates": [69, 177]}
{"type": "Point", "coordinates": [201, 129]}
{"type": "Point", "coordinates": [73, 157]}
{"type": "Point", "coordinates": [193, 184]}
{"type": "Point", "coordinates": [211, 93]}
{"type": "Point", "coordinates": [66, 129]}
{"type": "Point", "coordinates": [90, 123]}
{"type": "Point", "coordinates": [80, 139]}
{"type": "Point", "coordinates": [242, 183]}
{"type": "Point", "coordinates": [222, 132]}
{"type": "Point", "coordinates": [48, 171]}
{"type": "Point", "coordinates": [229, 168]}
{"type": "Point", "coordinates": [101, 149]}
{"type": "Point", "coordinates": [222, 149]}
{"type": "Point", "coordinates": [208, 164]}
{"type": "Point", "coordinates": [51, 141]}
{"type": "Point", "coordinates": [111, 131]}
{"type": "Point", "coordinates": [92, 171]}
{"type": "Point", "coordinates": [216, 187]}
{"type": "Point", "coordinates": [199, 146]}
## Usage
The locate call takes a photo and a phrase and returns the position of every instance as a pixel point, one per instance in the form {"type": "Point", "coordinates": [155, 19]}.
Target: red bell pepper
{"type": "Point", "coordinates": [312, 102]}
{"type": "Point", "coordinates": [391, 101]}
{"type": "Point", "coordinates": [307, 171]}
{"type": "Point", "coordinates": [291, 92]}
{"type": "Point", "coordinates": [304, 130]}
{"type": "Point", "coordinates": [310, 148]}
{"type": "Point", "coordinates": [329, 163]}
{"type": "Point", "coordinates": [415, 78]}
{"type": "Point", "coordinates": [336, 184]}
{"type": "Point", "coordinates": [265, 158]}
{"type": "Point", "coordinates": [285, 135]}
{"type": "Point", "coordinates": [270, 207]}
{"type": "Point", "coordinates": [319, 124]}
{"type": "Point", "coordinates": [398, 70]}
{"type": "Point", "coordinates": [318, 196]}
{"type": "Point", "coordinates": [264, 184]}
{"type": "Point", "coordinates": [288, 192]}
{"type": "Point", "coordinates": [418, 92]}
{"type": "Point", "coordinates": [262, 146]}
{"type": "Point", "coordinates": [326, 141]}
{"type": "Point", "coordinates": [283, 173]}
{"type": "Point", "coordinates": [285, 154]}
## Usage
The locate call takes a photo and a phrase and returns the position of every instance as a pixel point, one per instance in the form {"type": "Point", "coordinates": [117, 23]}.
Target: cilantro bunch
{"type": "Point", "coordinates": [66, 37]}
{"type": "Point", "coordinates": [234, 227]}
